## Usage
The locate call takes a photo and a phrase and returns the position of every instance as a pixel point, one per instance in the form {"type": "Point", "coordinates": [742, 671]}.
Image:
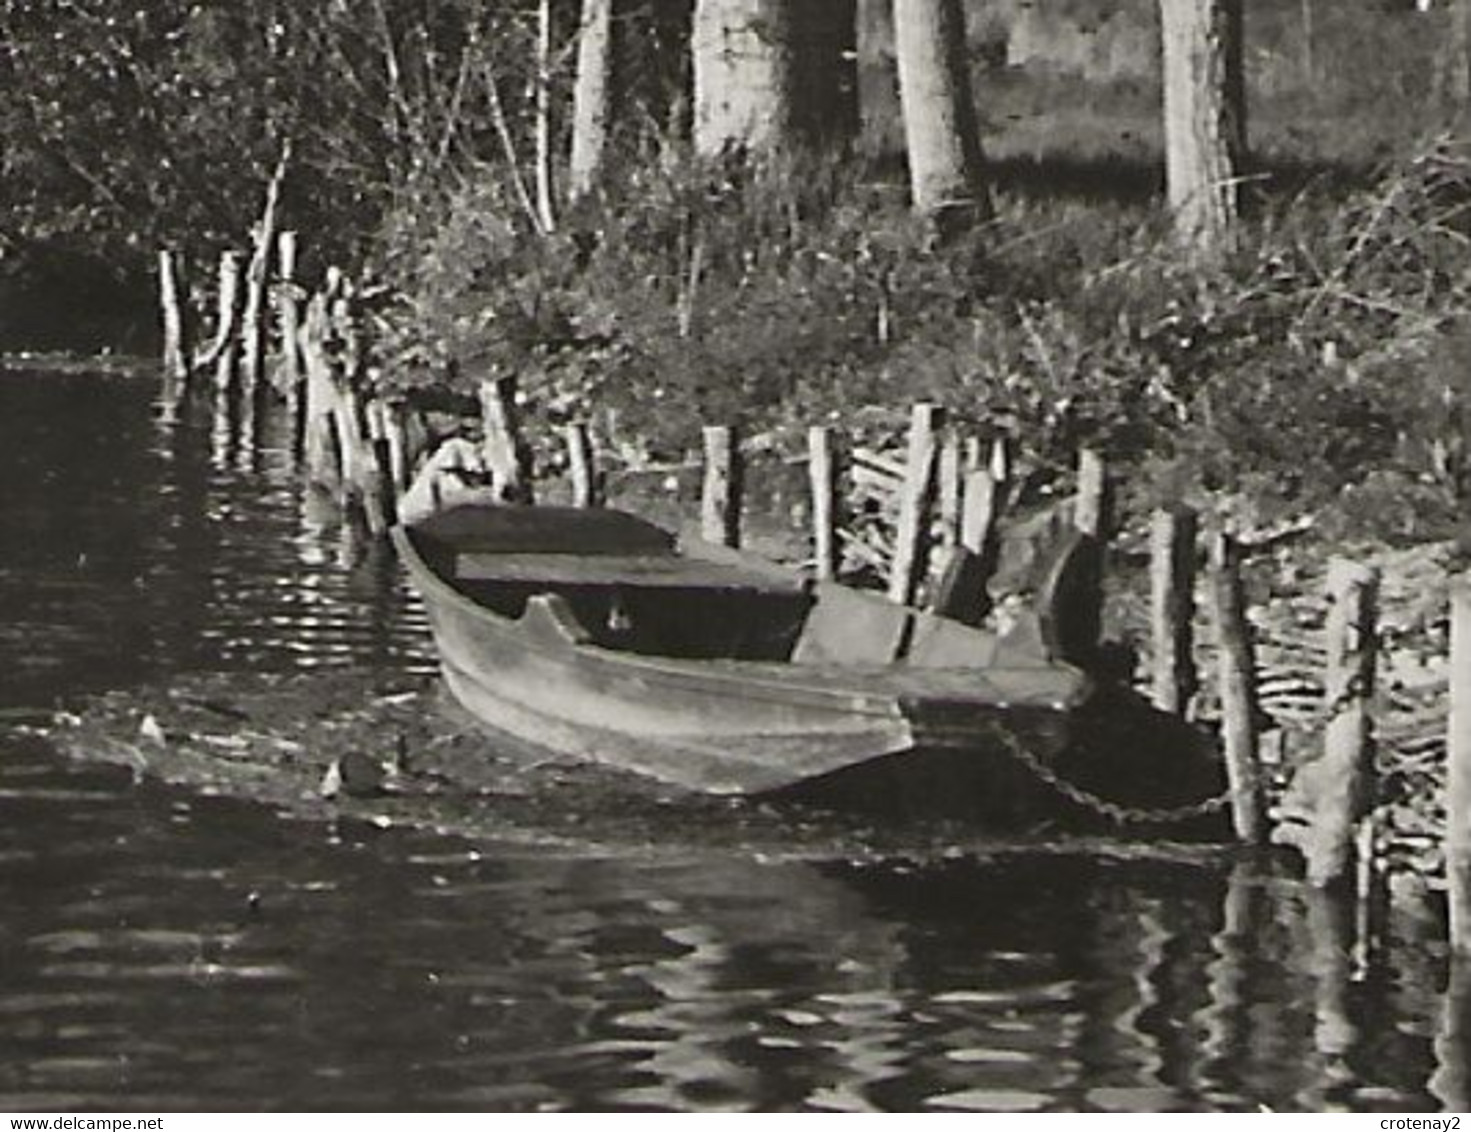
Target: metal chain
{"type": "Point", "coordinates": [1113, 811]}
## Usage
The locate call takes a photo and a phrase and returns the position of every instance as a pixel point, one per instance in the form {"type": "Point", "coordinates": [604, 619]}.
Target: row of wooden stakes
{"type": "Point", "coordinates": [950, 502]}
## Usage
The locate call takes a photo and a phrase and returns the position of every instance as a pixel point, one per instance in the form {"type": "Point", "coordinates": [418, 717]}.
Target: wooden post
{"type": "Point", "coordinates": [1172, 607]}
{"type": "Point", "coordinates": [1345, 774]}
{"type": "Point", "coordinates": [720, 501]}
{"type": "Point", "coordinates": [823, 475]}
{"type": "Point", "coordinates": [173, 301]}
{"type": "Point", "coordinates": [1238, 691]}
{"type": "Point", "coordinates": [252, 327]}
{"type": "Point", "coordinates": [320, 395]}
{"type": "Point", "coordinates": [505, 452]}
{"type": "Point", "coordinates": [911, 544]}
{"type": "Point", "coordinates": [1458, 772]}
{"type": "Point", "coordinates": [400, 459]}
{"type": "Point", "coordinates": [378, 490]}
{"type": "Point", "coordinates": [288, 323]}
{"type": "Point", "coordinates": [1450, 1083]}
{"type": "Point", "coordinates": [228, 313]}
{"type": "Point", "coordinates": [949, 489]}
{"type": "Point", "coordinates": [582, 466]}
{"type": "Point", "coordinates": [347, 423]}
{"type": "Point", "coordinates": [1002, 469]}
{"type": "Point", "coordinates": [1090, 514]}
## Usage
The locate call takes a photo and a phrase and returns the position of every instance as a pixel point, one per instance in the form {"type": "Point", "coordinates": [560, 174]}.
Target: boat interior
{"type": "Point", "coordinates": [628, 585]}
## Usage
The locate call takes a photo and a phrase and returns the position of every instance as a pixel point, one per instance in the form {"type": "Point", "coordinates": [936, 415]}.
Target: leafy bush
{"type": "Point", "coordinates": [1330, 352]}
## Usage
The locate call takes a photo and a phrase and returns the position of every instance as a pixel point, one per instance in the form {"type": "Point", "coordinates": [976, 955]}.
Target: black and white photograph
{"type": "Point", "coordinates": [734, 556]}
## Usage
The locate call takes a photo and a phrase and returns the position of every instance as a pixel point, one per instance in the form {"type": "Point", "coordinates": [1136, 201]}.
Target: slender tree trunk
{"type": "Point", "coordinates": [880, 117]}
{"type": "Point", "coordinates": [744, 75]}
{"type": "Point", "coordinates": [945, 161]}
{"type": "Point", "coordinates": [1458, 47]}
{"type": "Point", "coordinates": [545, 206]}
{"type": "Point", "coordinates": [592, 98]}
{"type": "Point", "coordinates": [1204, 110]}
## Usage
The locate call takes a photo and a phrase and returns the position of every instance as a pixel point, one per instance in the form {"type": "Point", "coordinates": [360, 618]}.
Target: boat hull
{"type": "Point", "coordinates": [967, 741]}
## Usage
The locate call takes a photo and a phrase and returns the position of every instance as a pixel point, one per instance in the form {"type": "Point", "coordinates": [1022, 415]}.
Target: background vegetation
{"type": "Point", "coordinates": [1322, 362]}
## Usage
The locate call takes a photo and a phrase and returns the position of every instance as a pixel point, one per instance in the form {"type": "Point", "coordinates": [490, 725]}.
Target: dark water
{"type": "Point", "coordinates": [161, 951]}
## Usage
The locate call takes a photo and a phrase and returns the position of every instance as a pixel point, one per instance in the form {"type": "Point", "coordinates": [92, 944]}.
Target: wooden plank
{"type": "Point", "coordinates": [656, 571]}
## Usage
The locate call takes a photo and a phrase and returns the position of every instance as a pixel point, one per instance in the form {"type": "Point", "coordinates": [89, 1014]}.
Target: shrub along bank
{"type": "Point", "coordinates": [1322, 368]}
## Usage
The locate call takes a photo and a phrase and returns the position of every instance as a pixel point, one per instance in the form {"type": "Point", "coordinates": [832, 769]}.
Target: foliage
{"type": "Point", "coordinates": [1331, 352]}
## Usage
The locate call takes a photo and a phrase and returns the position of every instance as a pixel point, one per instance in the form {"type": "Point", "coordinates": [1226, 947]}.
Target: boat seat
{"type": "Point", "coordinates": [609, 571]}
{"type": "Point", "coordinates": [848, 626]}
{"type": "Point", "coordinates": [939, 642]}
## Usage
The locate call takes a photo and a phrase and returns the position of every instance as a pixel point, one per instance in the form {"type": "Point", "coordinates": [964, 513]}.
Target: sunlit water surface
{"type": "Point", "coordinates": [163, 951]}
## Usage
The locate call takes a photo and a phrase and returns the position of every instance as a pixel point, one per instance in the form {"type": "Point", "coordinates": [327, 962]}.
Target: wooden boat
{"type": "Point", "coordinates": [596, 634]}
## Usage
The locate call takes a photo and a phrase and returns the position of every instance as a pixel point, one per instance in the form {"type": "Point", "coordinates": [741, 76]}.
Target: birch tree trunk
{"type": "Point", "coordinates": [545, 193]}
{"type": "Point", "coordinates": [744, 75]}
{"type": "Point", "coordinates": [1205, 119]}
{"type": "Point", "coordinates": [592, 97]}
{"type": "Point", "coordinates": [940, 131]}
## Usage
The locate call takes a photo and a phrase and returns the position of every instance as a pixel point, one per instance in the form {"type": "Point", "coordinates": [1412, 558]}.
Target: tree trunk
{"type": "Point", "coordinates": [592, 98]}
{"type": "Point", "coordinates": [545, 202]}
{"type": "Point", "coordinates": [1204, 108]}
{"type": "Point", "coordinates": [880, 118]}
{"type": "Point", "coordinates": [1458, 48]}
{"type": "Point", "coordinates": [939, 116]}
{"type": "Point", "coordinates": [744, 75]}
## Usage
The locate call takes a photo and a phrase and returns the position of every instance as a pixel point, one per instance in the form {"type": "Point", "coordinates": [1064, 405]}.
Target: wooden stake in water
{"type": "Point", "coordinates": [399, 456]}
{"type": "Point", "coordinates": [380, 488]}
{"type": "Point", "coordinates": [721, 496]}
{"type": "Point", "coordinates": [1345, 779]}
{"type": "Point", "coordinates": [823, 474]}
{"type": "Point", "coordinates": [318, 397]}
{"type": "Point", "coordinates": [257, 276]}
{"type": "Point", "coordinates": [173, 303]}
{"type": "Point", "coordinates": [911, 543]}
{"type": "Point", "coordinates": [1238, 691]}
{"type": "Point", "coordinates": [1458, 773]}
{"type": "Point", "coordinates": [581, 466]}
{"type": "Point", "coordinates": [1172, 608]}
{"type": "Point", "coordinates": [288, 323]}
{"type": "Point", "coordinates": [228, 317]}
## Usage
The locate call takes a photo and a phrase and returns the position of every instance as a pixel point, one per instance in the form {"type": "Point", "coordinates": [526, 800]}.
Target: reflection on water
{"type": "Point", "coordinates": [164, 951]}
{"type": "Point", "coordinates": [133, 550]}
